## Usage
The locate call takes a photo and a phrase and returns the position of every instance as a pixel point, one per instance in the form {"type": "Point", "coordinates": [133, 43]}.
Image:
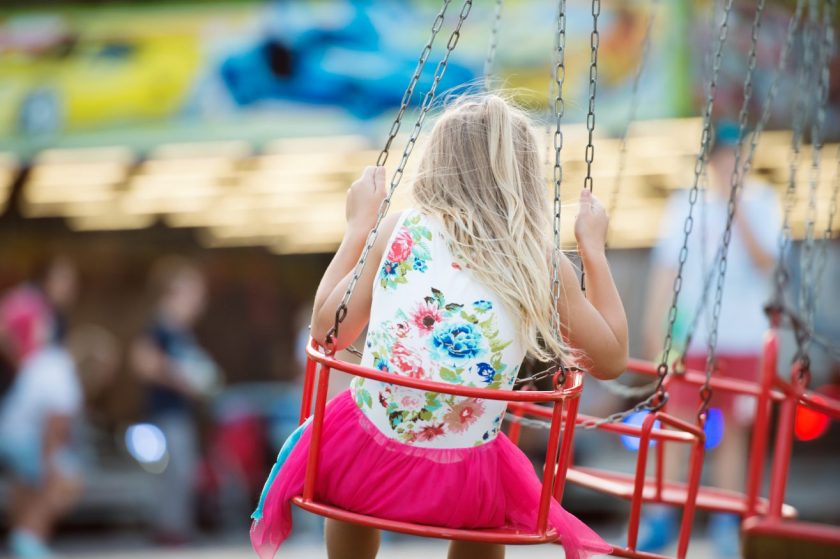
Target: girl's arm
{"type": "Point", "coordinates": [596, 325]}
{"type": "Point", "coordinates": [363, 200]}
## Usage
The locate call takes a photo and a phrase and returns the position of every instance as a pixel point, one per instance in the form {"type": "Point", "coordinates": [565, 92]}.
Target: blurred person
{"type": "Point", "coordinates": [32, 315]}
{"type": "Point", "coordinates": [752, 257]}
{"type": "Point", "coordinates": [178, 376]}
{"type": "Point", "coordinates": [460, 294]}
{"type": "Point", "coordinates": [39, 408]}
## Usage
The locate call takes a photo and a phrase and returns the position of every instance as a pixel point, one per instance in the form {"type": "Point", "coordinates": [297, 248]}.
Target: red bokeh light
{"type": "Point", "coordinates": [810, 424]}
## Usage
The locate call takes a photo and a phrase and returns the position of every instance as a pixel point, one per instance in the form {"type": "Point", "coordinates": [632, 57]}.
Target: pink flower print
{"type": "Point", "coordinates": [456, 266]}
{"type": "Point", "coordinates": [406, 361]}
{"type": "Point", "coordinates": [401, 247]}
{"type": "Point", "coordinates": [411, 402]}
{"type": "Point", "coordinates": [426, 316]}
{"type": "Point", "coordinates": [400, 329]}
{"type": "Point", "coordinates": [463, 414]}
{"type": "Point", "coordinates": [430, 432]}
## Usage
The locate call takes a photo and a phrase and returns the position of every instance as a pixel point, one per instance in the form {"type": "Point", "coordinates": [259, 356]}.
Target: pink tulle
{"type": "Point", "coordinates": [361, 470]}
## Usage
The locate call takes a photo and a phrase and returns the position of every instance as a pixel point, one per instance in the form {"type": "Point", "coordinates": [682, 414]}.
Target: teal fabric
{"type": "Point", "coordinates": [286, 449]}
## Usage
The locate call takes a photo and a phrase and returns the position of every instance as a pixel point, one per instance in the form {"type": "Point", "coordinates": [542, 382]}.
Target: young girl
{"type": "Point", "coordinates": [456, 290]}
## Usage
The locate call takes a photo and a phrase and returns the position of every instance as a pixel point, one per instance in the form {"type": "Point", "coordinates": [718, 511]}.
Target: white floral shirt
{"type": "Point", "coordinates": [431, 319]}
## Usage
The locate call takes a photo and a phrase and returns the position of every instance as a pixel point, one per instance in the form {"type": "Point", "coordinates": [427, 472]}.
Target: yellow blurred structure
{"type": "Point", "coordinates": [289, 197]}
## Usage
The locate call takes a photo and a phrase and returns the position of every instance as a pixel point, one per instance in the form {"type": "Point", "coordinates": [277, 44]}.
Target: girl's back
{"type": "Point", "coordinates": [431, 319]}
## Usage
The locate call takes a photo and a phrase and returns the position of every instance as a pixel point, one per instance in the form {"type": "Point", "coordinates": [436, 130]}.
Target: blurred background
{"type": "Point", "coordinates": [172, 180]}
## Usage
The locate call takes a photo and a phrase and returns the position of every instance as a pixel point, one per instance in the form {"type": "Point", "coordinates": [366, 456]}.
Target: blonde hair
{"type": "Point", "coordinates": [481, 176]}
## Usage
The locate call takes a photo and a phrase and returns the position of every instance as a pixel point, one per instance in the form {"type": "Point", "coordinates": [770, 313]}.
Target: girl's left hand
{"type": "Point", "coordinates": [364, 197]}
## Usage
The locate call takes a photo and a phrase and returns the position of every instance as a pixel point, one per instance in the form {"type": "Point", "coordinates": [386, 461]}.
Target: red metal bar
{"type": "Point", "coordinates": [549, 469]}
{"type": "Point", "coordinates": [308, 385]}
{"type": "Point", "coordinates": [821, 403]}
{"type": "Point", "coordinates": [572, 391]}
{"type": "Point", "coordinates": [619, 428]}
{"type": "Point", "coordinates": [804, 531]}
{"type": "Point", "coordinates": [499, 536]}
{"type": "Point", "coordinates": [639, 483]}
{"type": "Point", "coordinates": [317, 428]}
{"type": "Point", "coordinates": [695, 470]}
{"type": "Point", "coordinates": [761, 427]}
{"type": "Point", "coordinates": [698, 378]}
{"type": "Point", "coordinates": [515, 429]}
{"type": "Point", "coordinates": [566, 448]}
{"type": "Point", "coordinates": [673, 493]}
{"type": "Point", "coordinates": [660, 469]}
{"type": "Point", "coordinates": [781, 454]}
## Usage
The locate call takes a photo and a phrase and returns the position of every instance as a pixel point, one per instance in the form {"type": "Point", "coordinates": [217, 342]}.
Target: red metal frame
{"type": "Point", "coordinates": [638, 488]}
{"type": "Point", "coordinates": [562, 410]}
{"type": "Point", "coordinates": [772, 522]}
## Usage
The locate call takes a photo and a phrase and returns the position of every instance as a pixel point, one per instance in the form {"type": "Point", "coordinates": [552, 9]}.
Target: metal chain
{"type": "Point", "coordinates": [559, 77]}
{"type": "Point", "coordinates": [829, 226]}
{"type": "Point", "coordinates": [440, 70]}
{"type": "Point", "coordinates": [415, 78]}
{"type": "Point", "coordinates": [490, 61]}
{"type": "Point", "coordinates": [633, 109]}
{"type": "Point", "coordinates": [589, 154]}
{"type": "Point", "coordinates": [659, 396]}
{"type": "Point", "coordinates": [800, 104]}
{"type": "Point", "coordinates": [809, 287]}
{"type": "Point", "coordinates": [736, 183]}
{"type": "Point", "coordinates": [787, 47]}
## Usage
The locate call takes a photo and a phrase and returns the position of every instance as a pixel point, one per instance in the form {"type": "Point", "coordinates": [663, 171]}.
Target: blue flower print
{"type": "Point", "coordinates": [389, 269]}
{"type": "Point", "coordinates": [486, 372]}
{"type": "Point", "coordinates": [483, 305]}
{"type": "Point", "coordinates": [460, 341]}
{"type": "Point", "coordinates": [420, 265]}
{"type": "Point", "coordinates": [381, 364]}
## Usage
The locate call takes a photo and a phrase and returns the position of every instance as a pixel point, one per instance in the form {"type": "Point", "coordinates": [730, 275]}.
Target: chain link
{"type": "Point", "coordinates": [490, 61]}
{"type": "Point", "coordinates": [829, 226]}
{"type": "Point", "coordinates": [781, 274]}
{"type": "Point", "coordinates": [415, 78]}
{"type": "Point", "coordinates": [589, 154]}
{"type": "Point", "coordinates": [633, 109]}
{"type": "Point", "coordinates": [659, 396]}
{"type": "Point", "coordinates": [787, 47]}
{"type": "Point", "coordinates": [425, 106]}
{"type": "Point", "coordinates": [736, 183]}
{"type": "Point", "coordinates": [808, 288]}
{"type": "Point", "coordinates": [558, 78]}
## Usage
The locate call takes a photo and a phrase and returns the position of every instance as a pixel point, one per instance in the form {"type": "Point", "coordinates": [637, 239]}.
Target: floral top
{"type": "Point", "coordinates": [431, 319]}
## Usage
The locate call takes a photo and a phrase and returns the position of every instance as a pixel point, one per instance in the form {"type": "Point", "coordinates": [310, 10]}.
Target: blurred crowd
{"type": "Point", "coordinates": [194, 440]}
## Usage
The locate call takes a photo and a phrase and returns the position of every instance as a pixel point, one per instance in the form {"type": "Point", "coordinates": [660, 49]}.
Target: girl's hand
{"type": "Point", "coordinates": [363, 200]}
{"type": "Point", "coordinates": [591, 223]}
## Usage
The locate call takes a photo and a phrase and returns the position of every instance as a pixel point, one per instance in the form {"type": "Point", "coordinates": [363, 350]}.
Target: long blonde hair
{"type": "Point", "coordinates": [481, 176]}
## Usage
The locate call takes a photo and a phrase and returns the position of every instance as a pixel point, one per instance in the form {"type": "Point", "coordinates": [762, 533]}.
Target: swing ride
{"type": "Point", "coordinates": [765, 519]}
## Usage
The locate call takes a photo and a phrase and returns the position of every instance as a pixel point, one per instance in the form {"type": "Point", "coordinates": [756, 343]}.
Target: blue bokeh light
{"type": "Point", "coordinates": [714, 429]}
{"type": "Point", "coordinates": [633, 443]}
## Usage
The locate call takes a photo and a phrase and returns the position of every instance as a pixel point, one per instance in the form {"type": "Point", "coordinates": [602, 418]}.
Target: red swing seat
{"type": "Point", "coordinates": [562, 411]}
{"type": "Point", "coordinates": [770, 533]}
{"type": "Point", "coordinates": [657, 490]}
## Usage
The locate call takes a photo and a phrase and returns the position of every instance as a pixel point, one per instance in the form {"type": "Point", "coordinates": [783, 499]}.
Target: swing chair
{"type": "Point", "coordinates": [562, 399]}
{"type": "Point", "coordinates": [765, 517]}
{"type": "Point", "coordinates": [771, 534]}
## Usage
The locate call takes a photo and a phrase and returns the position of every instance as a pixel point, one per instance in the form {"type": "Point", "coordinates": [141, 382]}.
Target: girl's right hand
{"type": "Point", "coordinates": [591, 223]}
{"type": "Point", "coordinates": [364, 197]}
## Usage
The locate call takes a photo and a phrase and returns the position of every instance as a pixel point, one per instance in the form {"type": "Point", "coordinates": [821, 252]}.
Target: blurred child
{"type": "Point", "coordinates": [178, 375]}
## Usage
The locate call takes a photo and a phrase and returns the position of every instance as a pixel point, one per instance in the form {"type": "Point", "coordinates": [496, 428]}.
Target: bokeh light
{"type": "Point", "coordinates": [810, 424]}
{"type": "Point", "coordinates": [146, 443]}
{"type": "Point", "coordinates": [636, 419]}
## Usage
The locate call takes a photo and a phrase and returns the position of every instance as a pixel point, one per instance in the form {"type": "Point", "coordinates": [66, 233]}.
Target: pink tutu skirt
{"type": "Point", "coordinates": [361, 470]}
